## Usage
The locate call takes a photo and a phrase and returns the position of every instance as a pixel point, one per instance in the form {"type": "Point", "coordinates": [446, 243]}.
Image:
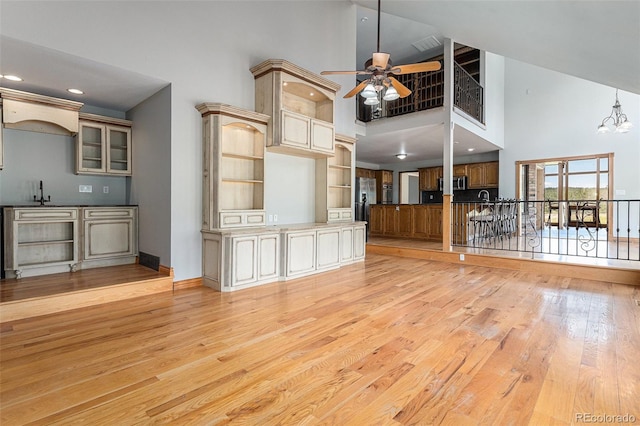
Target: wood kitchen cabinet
{"type": "Point", "coordinates": [407, 220]}
{"type": "Point", "coordinates": [103, 145]}
{"type": "Point", "coordinates": [301, 106]}
{"type": "Point", "coordinates": [460, 170]}
{"type": "Point", "coordinates": [365, 173]}
{"type": "Point", "coordinates": [384, 185]}
{"type": "Point", "coordinates": [429, 178]}
{"type": "Point", "coordinates": [483, 175]}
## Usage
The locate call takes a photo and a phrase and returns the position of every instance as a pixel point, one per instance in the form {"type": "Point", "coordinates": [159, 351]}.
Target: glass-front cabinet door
{"type": "Point", "coordinates": [119, 153]}
{"type": "Point", "coordinates": [91, 148]}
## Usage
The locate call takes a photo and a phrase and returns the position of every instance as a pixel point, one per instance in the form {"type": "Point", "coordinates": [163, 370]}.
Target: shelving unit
{"type": "Point", "coordinates": [334, 182]}
{"type": "Point", "coordinates": [233, 166]}
{"type": "Point", "coordinates": [301, 105]}
{"type": "Point", "coordinates": [103, 145]}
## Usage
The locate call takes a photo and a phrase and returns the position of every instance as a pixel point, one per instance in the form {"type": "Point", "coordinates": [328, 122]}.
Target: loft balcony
{"type": "Point", "coordinates": [427, 90]}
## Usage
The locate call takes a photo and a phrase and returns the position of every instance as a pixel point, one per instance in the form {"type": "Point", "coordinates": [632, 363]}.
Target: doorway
{"type": "Point", "coordinates": [409, 191]}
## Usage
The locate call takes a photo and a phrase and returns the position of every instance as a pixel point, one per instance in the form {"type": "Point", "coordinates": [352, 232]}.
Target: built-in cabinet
{"type": "Point", "coordinates": [233, 146]}
{"type": "Point", "coordinates": [103, 145]}
{"type": "Point", "coordinates": [483, 175]}
{"type": "Point", "coordinates": [42, 240]}
{"type": "Point", "coordinates": [365, 173]}
{"type": "Point", "coordinates": [301, 106]}
{"type": "Point", "coordinates": [239, 258]}
{"type": "Point", "coordinates": [334, 179]}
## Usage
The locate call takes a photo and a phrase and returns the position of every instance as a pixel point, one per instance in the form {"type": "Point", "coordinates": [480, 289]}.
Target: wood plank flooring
{"type": "Point", "coordinates": [391, 341]}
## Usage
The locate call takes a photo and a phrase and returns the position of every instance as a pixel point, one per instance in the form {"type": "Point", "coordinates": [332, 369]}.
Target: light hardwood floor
{"type": "Point", "coordinates": [388, 341]}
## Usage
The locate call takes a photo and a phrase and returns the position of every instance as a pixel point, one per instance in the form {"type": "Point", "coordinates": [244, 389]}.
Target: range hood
{"type": "Point", "coordinates": [38, 113]}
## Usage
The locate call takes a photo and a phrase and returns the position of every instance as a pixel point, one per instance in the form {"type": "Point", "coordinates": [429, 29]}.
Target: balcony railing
{"type": "Point", "coordinates": [606, 229]}
{"type": "Point", "coordinates": [427, 92]}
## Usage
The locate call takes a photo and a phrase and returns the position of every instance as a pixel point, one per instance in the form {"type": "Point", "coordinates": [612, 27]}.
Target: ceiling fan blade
{"type": "Point", "coordinates": [380, 60]}
{"type": "Point", "coordinates": [419, 67]}
{"type": "Point", "coordinates": [356, 89]}
{"type": "Point", "coordinates": [402, 90]}
{"type": "Point", "coordinates": [345, 72]}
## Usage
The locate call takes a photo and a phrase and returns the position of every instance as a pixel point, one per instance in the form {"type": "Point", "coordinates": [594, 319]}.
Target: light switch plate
{"type": "Point", "coordinates": [86, 188]}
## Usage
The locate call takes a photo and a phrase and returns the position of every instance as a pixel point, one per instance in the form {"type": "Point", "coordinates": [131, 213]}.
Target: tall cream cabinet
{"type": "Point", "coordinates": [1, 145]}
{"type": "Point", "coordinates": [103, 145]}
{"type": "Point", "coordinates": [233, 141]}
{"type": "Point", "coordinates": [334, 182]}
{"type": "Point", "coordinates": [301, 105]}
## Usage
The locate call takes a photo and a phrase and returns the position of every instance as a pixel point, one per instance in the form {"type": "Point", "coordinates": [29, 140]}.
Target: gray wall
{"type": "Point", "coordinates": [151, 180]}
{"type": "Point", "coordinates": [31, 157]}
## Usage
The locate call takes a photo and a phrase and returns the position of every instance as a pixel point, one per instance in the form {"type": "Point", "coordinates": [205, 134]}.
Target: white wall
{"type": "Point", "coordinates": [552, 115]}
{"type": "Point", "coordinates": [205, 49]}
{"type": "Point", "coordinates": [494, 102]}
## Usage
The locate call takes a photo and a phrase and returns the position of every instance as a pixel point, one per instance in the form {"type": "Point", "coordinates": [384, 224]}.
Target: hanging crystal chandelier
{"type": "Point", "coordinates": [617, 119]}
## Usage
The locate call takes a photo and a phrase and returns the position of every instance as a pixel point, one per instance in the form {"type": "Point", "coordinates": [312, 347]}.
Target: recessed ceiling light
{"type": "Point", "coordinates": [471, 149]}
{"type": "Point", "coordinates": [364, 19]}
{"type": "Point", "coordinates": [75, 91]}
{"type": "Point", "coordinates": [12, 77]}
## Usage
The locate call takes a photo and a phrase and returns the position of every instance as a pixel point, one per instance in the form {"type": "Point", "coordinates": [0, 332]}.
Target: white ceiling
{"type": "Point", "coordinates": [594, 40]}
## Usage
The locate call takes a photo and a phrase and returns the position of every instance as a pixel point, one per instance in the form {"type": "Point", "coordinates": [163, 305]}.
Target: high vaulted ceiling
{"type": "Point", "coordinates": [593, 40]}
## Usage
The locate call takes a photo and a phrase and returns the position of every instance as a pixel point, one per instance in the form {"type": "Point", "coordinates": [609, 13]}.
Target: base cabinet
{"type": "Point", "coordinates": [109, 233]}
{"type": "Point", "coordinates": [241, 258]}
{"type": "Point", "coordinates": [244, 259]}
{"type": "Point", "coordinates": [46, 240]}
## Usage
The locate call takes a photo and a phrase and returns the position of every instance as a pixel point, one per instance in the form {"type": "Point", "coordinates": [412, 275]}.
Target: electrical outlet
{"type": "Point", "coordinates": [461, 257]}
{"type": "Point", "coordinates": [270, 218]}
{"type": "Point", "coordinates": [86, 188]}
{"type": "Point", "coordinates": [105, 189]}
{"type": "Point", "coordinates": [275, 217]}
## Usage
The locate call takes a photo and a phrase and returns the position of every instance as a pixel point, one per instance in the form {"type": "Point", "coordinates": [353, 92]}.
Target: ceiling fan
{"type": "Point", "coordinates": [381, 69]}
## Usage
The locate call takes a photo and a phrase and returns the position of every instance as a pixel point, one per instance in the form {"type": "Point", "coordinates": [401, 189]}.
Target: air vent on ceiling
{"type": "Point", "coordinates": [426, 43]}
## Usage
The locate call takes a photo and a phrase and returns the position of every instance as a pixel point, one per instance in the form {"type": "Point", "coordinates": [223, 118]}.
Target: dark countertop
{"type": "Point", "coordinates": [23, 206]}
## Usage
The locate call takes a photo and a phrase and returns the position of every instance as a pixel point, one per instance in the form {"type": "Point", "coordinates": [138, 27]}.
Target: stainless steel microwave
{"type": "Point", "coordinates": [458, 183]}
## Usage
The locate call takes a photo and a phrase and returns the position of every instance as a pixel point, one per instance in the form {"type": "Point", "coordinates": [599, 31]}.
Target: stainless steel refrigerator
{"type": "Point", "coordinates": [365, 196]}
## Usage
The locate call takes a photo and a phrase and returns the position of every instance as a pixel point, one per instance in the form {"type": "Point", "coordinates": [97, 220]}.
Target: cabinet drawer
{"type": "Point", "coordinates": [45, 214]}
{"type": "Point", "coordinates": [109, 213]}
{"type": "Point", "coordinates": [339, 215]}
{"type": "Point", "coordinates": [235, 219]}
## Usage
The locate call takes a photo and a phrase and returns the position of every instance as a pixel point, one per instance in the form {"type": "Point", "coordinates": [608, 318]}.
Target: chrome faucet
{"type": "Point", "coordinates": [486, 198]}
{"type": "Point", "coordinates": [42, 200]}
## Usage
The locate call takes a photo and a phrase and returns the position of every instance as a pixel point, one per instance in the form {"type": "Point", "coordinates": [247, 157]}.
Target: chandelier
{"type": "Point", "coordinates": [617, 119]}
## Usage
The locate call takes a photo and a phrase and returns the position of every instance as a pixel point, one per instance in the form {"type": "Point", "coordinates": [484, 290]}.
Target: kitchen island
{"type": "Point", "coordinates": [422, 221]}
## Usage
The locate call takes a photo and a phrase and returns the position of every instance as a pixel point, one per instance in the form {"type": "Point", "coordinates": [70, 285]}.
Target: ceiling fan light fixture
{"type": "Point", "coordinates": [369, 92]}
{"type": "Point", "coordinates": [372, 101]}
{"type": "Point", "coordinates": [391, 94]}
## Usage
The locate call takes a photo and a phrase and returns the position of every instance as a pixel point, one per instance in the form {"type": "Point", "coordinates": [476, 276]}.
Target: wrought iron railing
{"type": "Point", "coordinates": [468, 94]}
{"type": "Point", "coordinates": [427, 92]}
{"type": "Point", "coordinates": [607, 229]}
